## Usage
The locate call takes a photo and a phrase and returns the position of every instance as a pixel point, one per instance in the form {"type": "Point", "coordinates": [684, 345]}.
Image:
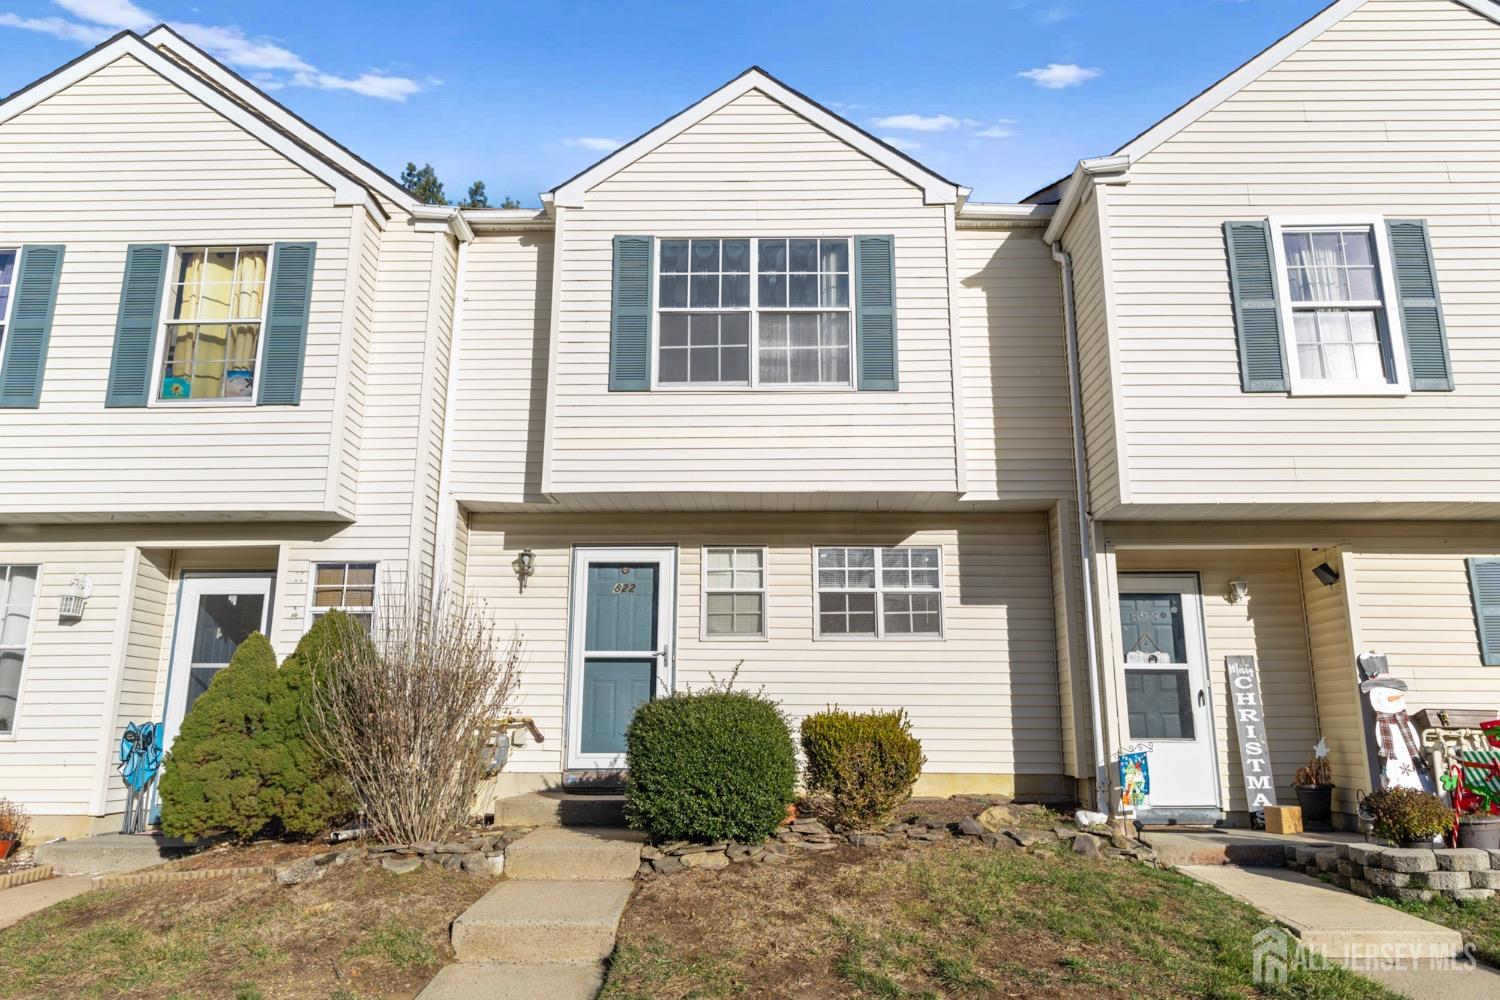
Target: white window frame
{"type": "Point", "coordinates": [880, 590]}
{"type": "Point", "coordinates": [753, 384]}
{"type": "Point", "coordinates": [764, 591]}
{"type": "Point", "coordinates": [36, 604]}
{"type": "Point", "coordinates": [10, 303]}
{"type": "Point", "coordinates": [165, 322]}
{"type": "Point", "coordinates": [313, 611]}
{"type": "Point", "coordinates": [1389, 307]}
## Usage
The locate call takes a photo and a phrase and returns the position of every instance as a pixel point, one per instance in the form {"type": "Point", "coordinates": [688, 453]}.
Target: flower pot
{"type": "Point", "coordinates": [6, 846]}
{"type": "Point", "coordinates": [1317, 804]}
{"type": "Point", "coordinates": [1479, 831]}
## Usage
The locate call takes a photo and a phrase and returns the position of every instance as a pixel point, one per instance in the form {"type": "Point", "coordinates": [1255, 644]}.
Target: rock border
{"type": "Point", "coordinates": [810, 836]}
{"type": "Point", "coordinates": [1407, 874]}
{"type": "Point", "coordinates": [26, 876]}
{"type": "Point", "coordinates": [123, 879]}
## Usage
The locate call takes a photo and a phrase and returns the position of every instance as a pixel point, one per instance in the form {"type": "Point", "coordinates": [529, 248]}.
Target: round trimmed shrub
{"type": "Point", "coordinates": [859, 768]}
{"type": "Point", "coordinates": [717, 765]}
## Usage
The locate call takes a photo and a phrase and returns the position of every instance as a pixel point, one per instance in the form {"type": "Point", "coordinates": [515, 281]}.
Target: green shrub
{"type": "Point", "coordinates": [717, 765]}
{"type": "Point", "coordinates": [242, 763]}
{"type": "Point", "coordinates": [1403, 815]}
{"type": "Point", "coordinates": [859, 768]}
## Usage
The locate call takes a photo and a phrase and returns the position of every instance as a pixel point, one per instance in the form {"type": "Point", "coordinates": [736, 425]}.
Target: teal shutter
{"type": "Point", "coordinates": [136, 324]}
{"type": "Point", "coordinates": [875, 311]}
{"type": "Point", "coordinates": [1421, 314]}
{"type": "Point", "coordinates": [1484, 585]}
{"type": "Point", "coordinates": [25, 348]}
{"type": "Point", "coordinates": [630, 315]}
{"type": "Point", "coordinates": [1257, 313]}
{"type": "Point", "coordinates": [285, 330]}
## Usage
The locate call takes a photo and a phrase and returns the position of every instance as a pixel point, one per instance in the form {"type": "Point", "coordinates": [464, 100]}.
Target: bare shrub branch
{"type": "Point", "coordinates": [407, 711]}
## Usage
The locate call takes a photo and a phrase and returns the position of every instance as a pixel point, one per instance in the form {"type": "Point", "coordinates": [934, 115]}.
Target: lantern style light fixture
{"type": "Point", "coordinates": [74, 596]}
{"type": "Point", "coordinates": [1239, 589]}
{"type": "Point", "coordinates": [525, 565]}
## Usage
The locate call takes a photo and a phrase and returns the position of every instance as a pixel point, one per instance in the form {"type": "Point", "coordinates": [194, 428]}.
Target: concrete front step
{"type": "Point", "coordinates": [555, 808]}
{"type": "Point", "coordinates": [516, 981]}
{"type": "Point", "coordinates": [110, 852]}
{"type": "Point", "coordinates": [567, 854]}
{"type": "Point", "coordinates": [559, 922]}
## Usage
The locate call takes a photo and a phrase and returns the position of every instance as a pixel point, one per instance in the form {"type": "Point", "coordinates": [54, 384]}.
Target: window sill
{"type": "Point", "coordinates": [1313, 390]}
{"type": "Point", "coordinates": [717, 390]}
{"type": "Point", "coordinates": [203, 404]}
{"type": "Point", "coordinates": [879, 638]}
{"type": "Point", "coordinates": [733, 638]}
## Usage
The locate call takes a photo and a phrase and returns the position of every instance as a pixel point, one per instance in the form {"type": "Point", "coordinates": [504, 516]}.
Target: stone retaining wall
{"type": "Point", "coordinates": [1464, 874]}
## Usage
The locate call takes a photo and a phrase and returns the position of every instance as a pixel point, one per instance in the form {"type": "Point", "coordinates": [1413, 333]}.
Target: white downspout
{"type": "Point", "coordinates": [1085, 526]}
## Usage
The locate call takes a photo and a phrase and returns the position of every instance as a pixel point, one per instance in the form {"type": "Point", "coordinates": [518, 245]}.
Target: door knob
{"type": "Point", "coordinates": [1202, 698]}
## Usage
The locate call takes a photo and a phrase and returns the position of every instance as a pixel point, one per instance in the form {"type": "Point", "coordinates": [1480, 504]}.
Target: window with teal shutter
{"type": "Point", "coordinates": [23, 351]}
{"type": "Point", "coordinates": [1421, 313]}
{"type": "Point", "coordinates": [630, 315]}
{"type": "Point", "coordinates": [1257, 316]}
{"type": "Point", "coordinates": [287, 311]}
{"type": "Point", "coordinates": [1484, 587]}
{"type": "Point", "coordinates": [136, 322]}
{"type": "Point", "coordinates": [875, 312]}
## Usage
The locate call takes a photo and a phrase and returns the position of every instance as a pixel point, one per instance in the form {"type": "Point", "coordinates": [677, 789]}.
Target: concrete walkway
{"type": "Point", "coordinates": [1401, 952]}
{"type": "Point", "coordinates": [544, 932]}
{"type": "Point", "coordinates": [21, 901]}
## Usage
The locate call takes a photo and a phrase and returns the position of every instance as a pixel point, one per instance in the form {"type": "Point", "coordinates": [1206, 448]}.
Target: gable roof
{"type": "Point", "coordinates": [1231, 84]}
{"type": "Point", "coordinates": [936, 189]}
{"type": "Point", "coordinates": [352, 179]}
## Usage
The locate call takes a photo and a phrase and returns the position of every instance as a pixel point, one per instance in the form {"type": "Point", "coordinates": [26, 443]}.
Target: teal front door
{"type": "Point", "coordinates": [621, 653]}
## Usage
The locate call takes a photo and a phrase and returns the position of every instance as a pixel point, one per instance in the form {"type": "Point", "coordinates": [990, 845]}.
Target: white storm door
{"type": "Point", "coordinates": [1168, 701]}
{"type": "Point", "coordinates": [214, 615]}
{"type": "Point", "coordinates": [620, 652]}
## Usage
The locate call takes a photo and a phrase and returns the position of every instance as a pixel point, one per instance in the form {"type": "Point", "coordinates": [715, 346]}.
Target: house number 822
{"type": "Point", "coordinates": [624, 588]}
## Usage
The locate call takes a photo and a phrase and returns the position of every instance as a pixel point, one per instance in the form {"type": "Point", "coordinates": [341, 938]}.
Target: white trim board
{"type": "Point", "coordinates": [346, 190]}
{"type": "Point", "coordinates": [936, 190]}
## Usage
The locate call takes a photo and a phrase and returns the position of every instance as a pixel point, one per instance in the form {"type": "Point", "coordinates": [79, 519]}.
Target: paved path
{"type": "Point", "coordinates": [1404, 953]}
{"type": "Point", "coordinates": [21, 901]}
{"type": "Point", "coordinates": [544, 932]}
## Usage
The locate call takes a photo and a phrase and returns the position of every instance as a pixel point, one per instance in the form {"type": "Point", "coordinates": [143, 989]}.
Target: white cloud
{"type": "Point", "coordinates": [905, 145]}
{"type": "Point", "coordinates": [594, 142]}
{"type": "Point", "coordinates": [1000, 130]}
{"type": "Point", "coordinates": [917, 123]}
{"type": "Point", "coordinates": [1055, 14]}
{"type": "Point", "coordinates": [57, 27]}
{"type": "Point", "coordinates": [1056, 76]}
{"type": "Point", "coordinates": [276, 66]}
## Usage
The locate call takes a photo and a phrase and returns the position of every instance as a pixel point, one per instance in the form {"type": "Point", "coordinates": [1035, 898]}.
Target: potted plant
{"type": "Point", "coordinates": [1479, 829]}
{"type": "Point", "coordinates": [1314, 786]}
{"type": "Point", "coordinates": [1407, 817]}
{"type": "Point", "coordinates": [14, 825]}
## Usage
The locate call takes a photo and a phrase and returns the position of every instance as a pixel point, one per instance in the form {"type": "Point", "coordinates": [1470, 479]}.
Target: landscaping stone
{"type": "Point", "coordinates": [868, 840]}
{"type": "Point", "coordinates": [400, 866]}
{"type": "Point", "coordinates": [306, 870]}
{"type": "Point", "coordinates": [997, 818]}
{"type": "Point", "coordinates": [688, 849]}
{"type": "Point", "coordinates": [738, 852]}
{"type": "Point", "coordinates": [1327, 860]}
{"type": "Point", "coordinates": [1387, 879]}
{"type": "Point", "coordinates": [1086, 845]}
{"type": "Point", "coordinates": [1120, 842]}
{"type": "Point", "coordinates": [813, 845]}
{"type": "Point", "coordinates": [1486, 880]}
{"type": "Point", "coordinates": [1412, 895]}
{"type": "Point", "coordinates": [1363, 854]}
{"type": "Point", "coordinates": [1360, 887]}
{"type": "Point", "coordinates": [1065, 832]}
{"type": "Point", "coordinates": [1349, 869]}
{"type": "Point", "coordinates": [452, 849]}
{"type": "Point", "coordinates": [1408, 859]}
{"type": "Point", "coordinates": [649, 853]}
{"type": "Point", "coordinates": [1462, 859]}
{"type": "Point", "coordinates": [1342, 881]}
{"type": "Point", "coordinates": [1027, 838]}
{"type": "Point", "coordinates": [666, 865]}
{"type": "Point", "coordinates": [1443, 880]}
{"type": "Point", "coordinates": [1306, 856]}
{"type": "Point", "coordinates": [808, 826]}
{"type": "Point", "coordinates": [707, 862]}
{"type": "Point", "coordinates": [970, 827]}
{"type": "Point", "coordinates": [1470, 895]}
{"type": "Point", "coordinates": [998, 842]}
{"type": "Point", "coordinates": [1342, 850]}
{"type": "Point", "coordinates": [451, 862]}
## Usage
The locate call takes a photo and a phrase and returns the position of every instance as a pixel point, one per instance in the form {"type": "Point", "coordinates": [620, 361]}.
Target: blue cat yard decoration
{"type": "Point", "coordinates": [140, 760]}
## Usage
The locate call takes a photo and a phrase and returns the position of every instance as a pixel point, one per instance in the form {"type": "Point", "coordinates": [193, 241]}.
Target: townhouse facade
{"type": "Point", "coordinates": [758, 395]}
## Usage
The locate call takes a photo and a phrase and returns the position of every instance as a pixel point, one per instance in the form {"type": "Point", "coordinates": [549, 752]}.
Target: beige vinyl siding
{"type": "Point", "coordinates": [1393, 112]}
{"type": "Point", "coordinates": [1083, 241]}
{"type": "Point", "coordinates": [1017, 432]}
{"type": "Point", "coordinates": [1068, 622]}
{"type": "Point", "coordinates": [753, 168]}
{"type": "Point", "coordinates": [1268, 625]}
{"type": "Point", "coordinates": [496, 442]}
{"type": "Point", "coordinates": [1336, 678]}
{"type": "Point", "coordinates": [145, 649]}
{"type": "Point", "coordinates": [983, 699]}
{"type": "Point", "coordinates": [125, 157]}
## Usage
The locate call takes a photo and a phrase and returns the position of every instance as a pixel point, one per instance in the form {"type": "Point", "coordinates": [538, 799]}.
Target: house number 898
{"type": "Point", "coordinates": [624, 588]}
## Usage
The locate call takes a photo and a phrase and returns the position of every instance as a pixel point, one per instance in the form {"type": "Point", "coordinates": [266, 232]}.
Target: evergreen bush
{"type": "Point", "coordinates": [710, 766]}
{"type": "Point", "coordinates": [243, 762]}
{"type": "Point", "coordinates": [859, 768]}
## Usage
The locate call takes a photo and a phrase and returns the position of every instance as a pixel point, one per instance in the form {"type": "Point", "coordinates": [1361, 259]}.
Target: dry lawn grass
{"type": "Point", "coordinates": [359, 933]}
{"type": "Point", "coordinates": [951, 920]}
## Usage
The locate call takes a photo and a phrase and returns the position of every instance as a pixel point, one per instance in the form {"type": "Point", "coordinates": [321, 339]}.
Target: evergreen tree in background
{"type": "Point", "coordinates": [476, 198]}
{"type": "Point", "coordinates": [423, 184]}
{"type": "Point", "coordinates": [510, 202]}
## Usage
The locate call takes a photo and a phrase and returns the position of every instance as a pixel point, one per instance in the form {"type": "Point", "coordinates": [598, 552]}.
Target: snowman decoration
{"type": "Point", "coordinates": [1401, 761]}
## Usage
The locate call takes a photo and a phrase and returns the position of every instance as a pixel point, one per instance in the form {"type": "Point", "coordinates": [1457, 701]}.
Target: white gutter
{"type": "Point", "coordinates": [1104, 169]}
{"type": "Point", "coordinates": [972, 211]}
{"type": "Point", "coordinates": [1085, 527]}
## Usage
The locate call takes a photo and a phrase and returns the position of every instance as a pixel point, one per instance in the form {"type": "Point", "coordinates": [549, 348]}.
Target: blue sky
{"type": "Point", "coordinates": [1004, 96]}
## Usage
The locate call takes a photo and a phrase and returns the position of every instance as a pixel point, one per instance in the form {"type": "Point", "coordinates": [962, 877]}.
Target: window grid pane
{"type": "Point", "coordinates": [1337, 303]}
{"type": "Point", "coordinates": [7, 279]}
{"type": "Point", "coordinates": [735, 599]}
{"type": "Point", "coordinates": [213, 330]}
{"type": "Point", "coordinates": [903, 598]}
{"type": "Point", "coordinates": [348, 587]}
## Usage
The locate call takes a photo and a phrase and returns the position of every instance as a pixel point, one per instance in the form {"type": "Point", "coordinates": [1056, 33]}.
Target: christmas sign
{"type": "Point", "coordinates": [1250, 721]}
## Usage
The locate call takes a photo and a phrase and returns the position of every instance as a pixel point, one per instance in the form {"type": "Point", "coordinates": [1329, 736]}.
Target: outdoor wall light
{"type": "Point", "coordinates": [74, 596]}
{"type": "Point", "coordinates": [525, 565]}
{"type": "Point", "coordinates": [1239, 589]}
{"type": "Point", "coordinates": [1326, 574]}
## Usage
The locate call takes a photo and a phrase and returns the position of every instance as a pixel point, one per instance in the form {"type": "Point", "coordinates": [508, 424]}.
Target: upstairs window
{"type": "Point", "coordinates": [753, 312]}
{"type": "Point", "coordinates": [880, 592]}
{"type": "Point", "coordinates": [7, 286]}
{"type": "Point", "coordinates": [1337, 318]}
{"type": "Point", "coordinates": [216, 300]}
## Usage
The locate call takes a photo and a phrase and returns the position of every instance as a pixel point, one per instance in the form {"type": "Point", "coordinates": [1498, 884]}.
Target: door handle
{"type": "Point", "coordinates": [1202, 699]}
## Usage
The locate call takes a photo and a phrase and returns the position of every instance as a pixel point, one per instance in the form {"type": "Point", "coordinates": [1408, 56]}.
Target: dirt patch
{"type": "Point", "coordinates": [260, 852]}
{"type": "Point", "coordinates": [356, 934]}
{"type": "Point", "coordinates": [944, 920]}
